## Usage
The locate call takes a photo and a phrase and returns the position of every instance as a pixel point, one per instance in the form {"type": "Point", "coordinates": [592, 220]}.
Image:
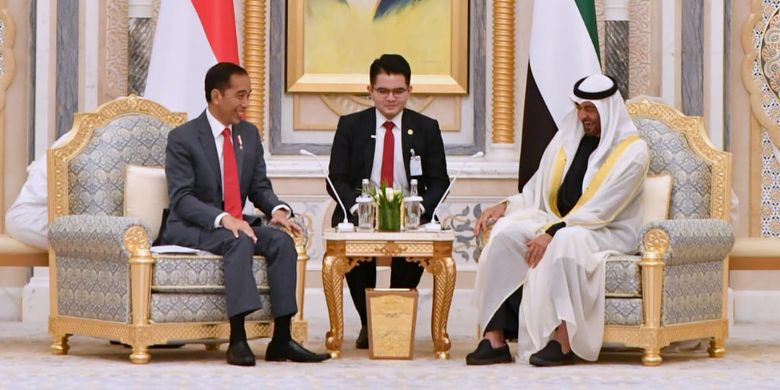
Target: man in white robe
{"type": "Point", "coordinates": [542, 274]}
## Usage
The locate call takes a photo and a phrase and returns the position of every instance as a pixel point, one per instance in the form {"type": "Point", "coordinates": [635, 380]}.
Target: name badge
{"type": "Point", "coordinates": [415, 166]}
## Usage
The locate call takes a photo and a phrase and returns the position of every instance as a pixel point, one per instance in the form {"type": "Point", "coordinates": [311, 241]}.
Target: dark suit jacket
{"type": "Point", "coordinates": [195, 181]}
{"type": "Point", "coordinates": [352, 157]}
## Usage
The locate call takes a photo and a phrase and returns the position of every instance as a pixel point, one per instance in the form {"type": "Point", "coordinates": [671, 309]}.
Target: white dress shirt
{"type": "Point", "coordinates": [216, 130]}
{"type": "Point", "coordinates": [399, 169]}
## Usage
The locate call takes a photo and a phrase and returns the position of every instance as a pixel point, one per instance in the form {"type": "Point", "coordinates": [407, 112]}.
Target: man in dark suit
{"type": "Point", "coordinates": [386, 143]}
{"type": "Point", "coordinates": [212, 164]}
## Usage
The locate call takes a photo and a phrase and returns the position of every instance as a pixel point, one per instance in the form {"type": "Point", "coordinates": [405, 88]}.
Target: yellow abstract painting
{"type": "Point", "coordinates": [331, 43]}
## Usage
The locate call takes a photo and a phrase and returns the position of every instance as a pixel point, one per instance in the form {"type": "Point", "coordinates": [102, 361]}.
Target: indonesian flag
{"type": "Point", "coordinates": [191, 36]}
{"type": "Point", "coordinates": [564, 48]}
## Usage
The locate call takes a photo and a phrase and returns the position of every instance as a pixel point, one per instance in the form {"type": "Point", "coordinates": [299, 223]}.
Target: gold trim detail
{"type": "Point", "coordinates": [503, 72]}
{"type": "Point", "coordinates": [656, 241]}
{"type": "Point", "coordinates": [136, 239]}
{"type": "Point", "coordinates": [255, 60]}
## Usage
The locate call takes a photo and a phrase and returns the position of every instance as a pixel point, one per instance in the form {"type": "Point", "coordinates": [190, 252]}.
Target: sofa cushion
{"type": "Point", "coordinates": [146, 195]}
{"type": "Point", "coordinates": [198, 273]}
{"type": "Point", "coordinates": [655, 198]}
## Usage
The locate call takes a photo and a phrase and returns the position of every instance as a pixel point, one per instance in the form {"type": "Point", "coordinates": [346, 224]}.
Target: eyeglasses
{"type": "Point", "coordinates": [384, 92]}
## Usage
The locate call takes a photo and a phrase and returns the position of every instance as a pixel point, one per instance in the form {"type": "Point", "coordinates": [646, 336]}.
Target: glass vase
{"type": "Point", "coordinates": [389, 219]}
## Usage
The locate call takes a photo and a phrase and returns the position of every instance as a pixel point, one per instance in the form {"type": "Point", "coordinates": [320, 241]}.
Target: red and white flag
{"type": "Point", "coordinates": [191, 36]}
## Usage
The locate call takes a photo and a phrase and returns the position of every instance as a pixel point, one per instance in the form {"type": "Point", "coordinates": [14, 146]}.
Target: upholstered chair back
{"type": "Point", "coordinates": [677, 147]}
{"type": "Point", "coordinates": [691, 175]}
{"type": "Point", "coordinates": [87, 175]}
{"type": "Point", "coordinates": [97, 175]}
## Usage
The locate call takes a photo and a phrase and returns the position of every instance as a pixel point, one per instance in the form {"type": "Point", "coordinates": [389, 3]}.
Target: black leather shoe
{"type": "Point", "coordinates": [485, 354]}
{"type": "Point", "coordinates": [552, 355]}
{"type": "Point", "coordinates": [292, 351]}
{"type": "Point", "coordinates": [362, 340]}
{"type": "Point", "coordinates": [239, 354]}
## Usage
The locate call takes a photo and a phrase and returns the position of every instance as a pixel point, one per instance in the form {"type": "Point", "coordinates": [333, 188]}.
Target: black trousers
{"type": "Point", "coordinates": [506, 317]}
{"type": "Point", "coordinates": [241, 293]}
{"type": "Point", "coordinates": [403, 274]}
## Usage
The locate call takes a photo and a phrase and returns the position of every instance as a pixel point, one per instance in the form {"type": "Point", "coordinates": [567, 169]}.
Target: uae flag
{"type": "Point", "coordinates": [191, 36]}
{"type": "Point", "coordinates": [564, 48]}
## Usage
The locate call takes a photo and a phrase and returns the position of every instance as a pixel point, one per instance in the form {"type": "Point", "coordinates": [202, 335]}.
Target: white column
{"type": "Point", "coordinates": [616, 10]}
{"type": "Point", "coordinates": [140, 8]}
{"type": "Point", "coordinates": [35, 299]}
{"type": "Point", "coordinates": [670, 52]}
{"type": "Point", "coordinates": [35, 296]}
{"type": "Point", "coordinates": [90, 54]}
{"type": "Point", "coordinates": [714, 78]}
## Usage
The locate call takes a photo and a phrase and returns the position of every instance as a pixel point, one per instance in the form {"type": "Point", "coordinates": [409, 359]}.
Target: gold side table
{"type": "Point", "coordinates": [432, 251]}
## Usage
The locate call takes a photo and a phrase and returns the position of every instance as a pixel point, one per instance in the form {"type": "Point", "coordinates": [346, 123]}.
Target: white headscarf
{"type": "Point", "coordinates": [616, 125]}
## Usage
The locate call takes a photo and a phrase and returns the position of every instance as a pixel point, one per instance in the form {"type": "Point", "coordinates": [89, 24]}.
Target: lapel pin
{"type": "Point", "coordinates": [240, 143]}
{"type": "Point", "coordinates": [410, 131]}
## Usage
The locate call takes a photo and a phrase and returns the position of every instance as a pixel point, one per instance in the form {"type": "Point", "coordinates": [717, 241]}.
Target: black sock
{"type": "Point", "coordinates": [237, 331]}
{"type": "Point", "coordinates": [282, 329]}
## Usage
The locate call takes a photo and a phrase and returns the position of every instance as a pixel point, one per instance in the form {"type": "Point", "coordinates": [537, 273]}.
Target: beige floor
{"type": "Point", "coordinates": [752, 361]}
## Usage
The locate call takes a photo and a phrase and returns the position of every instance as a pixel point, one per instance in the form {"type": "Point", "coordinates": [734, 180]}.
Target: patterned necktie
{"type": "Point", "coordinates": [387, 155]}
{"type": "Point", "coordinates": [230, 176]}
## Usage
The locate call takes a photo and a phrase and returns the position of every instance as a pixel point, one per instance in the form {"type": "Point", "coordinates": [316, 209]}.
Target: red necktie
{"type": "Point", "coordinates": [388, 155]}
{"type": "Point", "coordinates": [230, 176]}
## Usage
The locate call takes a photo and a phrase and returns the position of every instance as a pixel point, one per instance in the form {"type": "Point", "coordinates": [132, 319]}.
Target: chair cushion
{"type": "Point", "coordinates": [191, 288]}
{"type": "Point", "coordinates": [655, 198]}
{"type": "Point", "coordinates": [146, 195]}
{"type": "Point", "coordinates": [198, 273]}
{"type": "Point", "coordinates": [623, 276]}
{"type": "Point", "coordinates": [200, 308]}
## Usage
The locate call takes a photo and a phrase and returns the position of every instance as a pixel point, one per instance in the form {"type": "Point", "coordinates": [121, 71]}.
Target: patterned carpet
{"type": "Point", "coordinates": [752, 359]}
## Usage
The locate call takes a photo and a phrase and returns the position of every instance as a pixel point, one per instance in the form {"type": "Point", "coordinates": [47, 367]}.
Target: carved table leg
{"type": "Point", "coordinates": [333, 284]}
{"type": "Point", "coordinates": [443, 270]}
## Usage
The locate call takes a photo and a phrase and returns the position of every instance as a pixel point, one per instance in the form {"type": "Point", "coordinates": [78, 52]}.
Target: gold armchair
{"type": "Point", "coordinates": [676, 287]}
{"type": "Point", "coordinates": [105, 282]}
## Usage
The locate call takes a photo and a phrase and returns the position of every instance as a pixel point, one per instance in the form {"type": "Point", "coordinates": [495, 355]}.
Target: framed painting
{"type": "Point", "coordinates": [331, 43]}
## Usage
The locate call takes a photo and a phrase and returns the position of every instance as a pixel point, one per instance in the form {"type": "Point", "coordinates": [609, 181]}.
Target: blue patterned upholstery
{"type": "Point", "coordinates": [692, 292]}
{"type": "Point", "coordinates": [200, 308]}
{"type": "Point", "coordinates": [92, 266]}
{"type": "Point", "coordinates": [623, 311]}
{"type": "Point", "coordinates": [694, 240]}
{"type": "Point", "coordinates": [96, 175]}
{"type": "Point", "coordinates": [691, 174]}
{"type": "Point", "coordinates": [623, 276]}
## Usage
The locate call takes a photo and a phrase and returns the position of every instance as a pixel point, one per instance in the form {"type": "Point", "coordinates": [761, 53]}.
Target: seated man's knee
{"type": "Point", "coordinates": [571, 234]}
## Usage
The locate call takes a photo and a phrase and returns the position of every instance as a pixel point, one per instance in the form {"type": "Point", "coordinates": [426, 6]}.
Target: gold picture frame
{"type": "Point", "coordinates": [314, 30]}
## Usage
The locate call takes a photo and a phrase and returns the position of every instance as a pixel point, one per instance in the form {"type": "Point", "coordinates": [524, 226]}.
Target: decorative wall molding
{"type": "Point", "coordinates": [640, 43]}
{"type": "Point", "coordinates": [114, 63]}
{"type": "Point", "coordinates": [760, 40]}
